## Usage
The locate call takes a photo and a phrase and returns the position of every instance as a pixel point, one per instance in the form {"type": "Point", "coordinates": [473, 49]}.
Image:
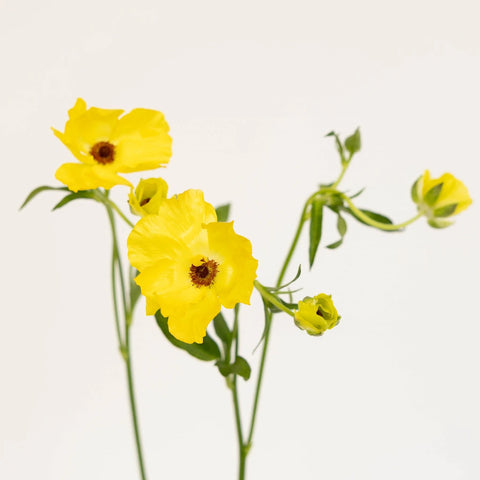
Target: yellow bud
{"type": "Point", "coordinates": [440, 198]}
{"type": "Point", "coordinates": [148, 196]}
{"type": "Point", "coordinates": [317, 314]}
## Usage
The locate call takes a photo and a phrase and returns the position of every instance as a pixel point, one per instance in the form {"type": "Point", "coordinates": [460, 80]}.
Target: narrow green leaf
{"type": "Point", "coordinates": [336, 244]}
{"type": "Point", "coordinates": [297, 275]}
{"type": "Point", "coordinates": [373, 215]}
{"type": "Point", "coordinates": [377, 216]}
{"type": "Point", "coordinates": [223, 212]}
{"type": "Point", "coordinates": [445, 211]}
{"type": "Point", "coordinates": [38, 190]}
{"type": "Point", "coordinates": [316, 218]}
{"type": "Point", "coordinates": [339, 145]}
{"type": "Point", "coordinates": [74, 196]}
{"type": "Point", "coordinates": [135, 291]}
{"type": "Point", "coordinates": [354, 142]}
{"type": "Point", "coordinates": [432, 195]}
{"type": "Point", "coordinates": [358, 193]}
{"type": "Point", "coordinates": [239, 367]}
{"type": "Point", "coordinates": [222, 330]}
{"type": "Point", "coordinates": [341, 226]}
{"type": "Point", "coordinates": [208, 350]}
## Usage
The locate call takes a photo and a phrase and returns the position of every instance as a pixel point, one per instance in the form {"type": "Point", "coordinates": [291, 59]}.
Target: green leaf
{"type": "Point", "coordinates": [374, 216]}
{"type": "Point", "coordinates": [358, 193]}
{"type": "Point", "coordinates": [339, 145]}
{"type": "Point", "coordinates": [281, 287]}
{"type": "Point", "coordinates": [239, 367]}
{"type": "Point", "coordinates": [135, 291]}
{"type": "Point", "coordinates": [38, 190]}
{"type": "Point", "coordinates": [208, 350]}
{"type": "Point", "coordinates": [341, 226]}
{"type": "Point", "coordinates": [89, 194]}
{"type": "Point", "coordinates": [342, 230]}
{"type": "Point", "coordinates": [336, 244]}
{"type": "Point", "coordinates": [432, 195]}
{"type": "Point", "coordinates": [445, 211]}
{"type": "Point", "coordinates": [223, 211]}
{"type": "Point", "coordinates": [316, 218]}
{"type": "Point", "coordinates": [222, 330]}
{"type": "Point", "coordinates": [354, 142]}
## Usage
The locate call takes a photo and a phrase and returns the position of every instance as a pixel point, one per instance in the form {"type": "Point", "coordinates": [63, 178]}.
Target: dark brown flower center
{"type": "Point", "coordinates": [319, 312]}
{"type": "Point", "coordinates": [103, 152]}
{"type": "Point", "coordinates": [144, 201]}
{"type": "Point", "coordinates": [204, 274]}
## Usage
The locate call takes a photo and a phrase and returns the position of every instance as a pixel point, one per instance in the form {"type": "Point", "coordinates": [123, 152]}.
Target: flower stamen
{"type": "Point", "coordinates": [204, 274]}
{"type": "Point", "coordinates": [103, 152]}
{"type": "Point", "coordinates": [144, 201]}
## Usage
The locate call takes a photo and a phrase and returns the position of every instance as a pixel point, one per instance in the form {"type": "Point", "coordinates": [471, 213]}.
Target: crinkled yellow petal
{"type": "Point", "coordinates": [79, 176]}
{"type": "Point", "coordinates": [142, 140]}
{"type": "Point", "coordinates": [189, 323]}
{"type": "Point", "coordinates": [237, 270]}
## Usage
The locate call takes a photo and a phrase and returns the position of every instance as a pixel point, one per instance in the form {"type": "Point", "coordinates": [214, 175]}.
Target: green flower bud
{"type": "Point", "coordinates": [316, 315]}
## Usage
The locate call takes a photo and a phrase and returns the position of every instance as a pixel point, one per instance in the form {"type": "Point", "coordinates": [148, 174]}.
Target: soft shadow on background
{"type": "Point", "coordinates": [249, 90]}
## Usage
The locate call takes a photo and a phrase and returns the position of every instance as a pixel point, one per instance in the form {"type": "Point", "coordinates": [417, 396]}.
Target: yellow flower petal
{"type": "Point", "coordinates": [148, 196]}
{"type": "Point", "coordinates": [79, 176]}
{"type": "Point", "coordinates": [234, 282]}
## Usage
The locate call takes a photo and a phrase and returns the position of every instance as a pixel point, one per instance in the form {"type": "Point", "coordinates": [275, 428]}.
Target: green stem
{"type": "Point", "coordinates": [342, 173]}
{"type": "Point", "coordinates": [268, 322]}
{"type": "Point", "coordinates": [103, 197]}
{"type": "Point", "coordinates": [382, 226]}
{"type": "Point", "coordinates": [125, 347]}
{"type": "Point", "coordinates": [238, 421]}
{"type": "Point", "coordinates": [271, 298]}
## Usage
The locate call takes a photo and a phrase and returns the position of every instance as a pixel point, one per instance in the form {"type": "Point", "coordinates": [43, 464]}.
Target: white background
{"type": "Point", "coordinates": [249, 90]}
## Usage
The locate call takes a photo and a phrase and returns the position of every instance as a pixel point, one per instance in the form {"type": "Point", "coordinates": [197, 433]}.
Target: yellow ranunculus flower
{"type": "Point", "coordinates": [190, 265]}
{"type": "Point", "coordinates": [439, 198]}
{"type": "Point", "coordinates": [148, 196]}
{"type": "Point", "coordinates": [317, 314]}
{"type": "Point", "coordinates": [106, 144]}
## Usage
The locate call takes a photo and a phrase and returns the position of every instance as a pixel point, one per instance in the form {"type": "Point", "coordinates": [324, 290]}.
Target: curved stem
{"type": "Point", "coordinates": [382, 226]}
{"type": "Point", "coordinates": [103, 197]}
{"type": "Point", "coordinates": [271, 298]}
{"type": "Point", "coordinates": [342, 173]}
{"type": "Point", "coordinates": [125, 347]}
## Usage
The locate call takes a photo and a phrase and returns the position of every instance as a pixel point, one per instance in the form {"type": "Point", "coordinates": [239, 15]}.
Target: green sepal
{"type": "Point", "coordinates": [432, 195]}
{"type": "Point", "coordinates": [353, 143]}
{"type": "Point", "coordinates": [223, 212]}
{"type": "Point", "coordinates": [342, 230]}
{"type": "Point", "coordinates": [439, 223]}
{"type": "Point", "coordinates": [38, 190]}
{"type": "Point", "coordinates": [208, 350]}
{"type": "Point", "coordinates": [239, 367]}
{"type": "Point", "coordinates": [445, 211]}
{"type": "Point", "coordinates": [88, 194]}
{"type": "Point", "coordinates": [414, 190]}
{"type": "Point", "coordinates": [221, 329]}
{"type": "Point", "coordinates": [316, 218]}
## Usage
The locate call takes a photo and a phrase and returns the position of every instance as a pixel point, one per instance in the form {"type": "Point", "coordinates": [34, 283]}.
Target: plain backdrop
{"type": "Point", "coordinates": [249, 89]}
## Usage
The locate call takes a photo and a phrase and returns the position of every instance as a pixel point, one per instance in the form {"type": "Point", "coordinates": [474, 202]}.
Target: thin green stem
{"type": "Point", "coordinates": [238, 420]}
{"type": "Point", "coordinates": [268, 322]}
{"type": "Point", "coordinates": [103, 197]}
{"type": "Point", "coordinates": [271, 298]}
{"type": "Point", "coordinates": [115, 302]}
{"type": "Point", "coordinates": [125, 348]}
{"type": "Point", "coordinates": [382, 226]}
{"type": "Point", "coordinates": [342, 173]}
